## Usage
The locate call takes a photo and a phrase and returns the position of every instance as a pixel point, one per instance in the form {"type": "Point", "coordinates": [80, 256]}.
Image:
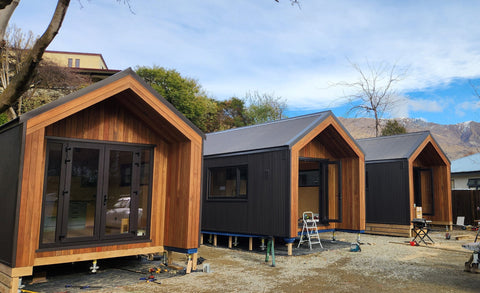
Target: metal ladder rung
{"type": "Point", "coordinates": [310, 230]}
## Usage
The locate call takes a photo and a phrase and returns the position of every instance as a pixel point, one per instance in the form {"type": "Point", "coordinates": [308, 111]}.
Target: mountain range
{"type": "Point", "coordinates": [456, 140]}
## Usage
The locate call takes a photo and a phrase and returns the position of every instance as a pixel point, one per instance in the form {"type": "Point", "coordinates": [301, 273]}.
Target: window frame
{"type": "Point", "coordinates": [473, 186]}
{"type": "Point", "coordinates": [99, 235]}
{"type": "Point", "coordinates": [237, 196]}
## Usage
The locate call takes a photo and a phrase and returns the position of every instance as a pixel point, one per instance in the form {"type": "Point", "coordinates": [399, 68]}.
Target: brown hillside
{"type": "Point", "coordinates": [457, 140]}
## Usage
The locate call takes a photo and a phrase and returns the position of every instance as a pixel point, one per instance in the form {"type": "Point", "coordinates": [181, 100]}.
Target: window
{"type": "Point", "coordinates": [77, 63]}
{"type": "Point", "coordinates": [473, 183]}
{"type": "Point", "coordinates": [70, 62]}
{"type": "Point", "coordinates": [309, 178]}
{"type": "Point", "coordinates": [95, 192]}
{"type": "Point", "coordinates": [228, 182]}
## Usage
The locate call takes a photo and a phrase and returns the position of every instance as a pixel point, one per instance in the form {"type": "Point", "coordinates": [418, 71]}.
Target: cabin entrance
{"type": "Point", "coordinates": [423, 189]}
{"type": "Point", "coordinates": [320, 190]}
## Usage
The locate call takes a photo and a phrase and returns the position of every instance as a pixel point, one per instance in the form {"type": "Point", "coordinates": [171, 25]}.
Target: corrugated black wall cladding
{"type": "Point", "coordinates": [387, 198]}
{"type": "Point", "coordinates": [266, 209]}
{"type": "Point", "coordinates": [10, 151]}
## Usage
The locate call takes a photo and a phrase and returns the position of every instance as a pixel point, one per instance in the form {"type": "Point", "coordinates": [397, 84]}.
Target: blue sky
{"type": "Point", "coordinates": [232, 47]}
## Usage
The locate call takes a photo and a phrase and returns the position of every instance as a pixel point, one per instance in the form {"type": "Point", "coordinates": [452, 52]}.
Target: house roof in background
{"type": "Point", "coordinates": [280, 133]}
{"type": "Point", "coordinates": [392, 147]}
{"type": "Point", "coordinates": [466, 164]}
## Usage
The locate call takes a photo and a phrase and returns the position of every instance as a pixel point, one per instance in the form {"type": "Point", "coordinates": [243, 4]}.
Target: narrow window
{"type": "Point", "coordinates": [77, 63]}
{"type": "Point", "coordinates": [70, 62]}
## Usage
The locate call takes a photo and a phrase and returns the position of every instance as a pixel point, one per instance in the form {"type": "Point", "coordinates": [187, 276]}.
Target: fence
{"type": "Point", "coordinates": [466, 203]}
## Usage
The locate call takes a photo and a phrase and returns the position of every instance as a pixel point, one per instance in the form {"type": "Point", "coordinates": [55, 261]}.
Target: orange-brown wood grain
{"type": "Point", "coordinates": [122, 111]}
{"type": "Point", "coordinates": [330, 141]}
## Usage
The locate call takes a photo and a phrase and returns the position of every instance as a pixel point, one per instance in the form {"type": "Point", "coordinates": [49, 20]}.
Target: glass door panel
{"type": "Point", "coordinates": [143, 194]}
{"type": "Point", "coordinates": [119, 200]}
{"type": "Point", "coordinates": [52, 192]}
{"type": "Point", "coordinates": [83, 192]}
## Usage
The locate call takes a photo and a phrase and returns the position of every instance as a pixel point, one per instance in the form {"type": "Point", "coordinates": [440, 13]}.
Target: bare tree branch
{"type": "Point", "coordinates": [373, 93]}
{"type": "Point", "coordinates": [20, 83]}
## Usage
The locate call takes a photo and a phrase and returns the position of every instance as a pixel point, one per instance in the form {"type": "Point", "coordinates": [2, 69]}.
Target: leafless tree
{"type": "Point", "coordinates": [374, 93]}
{"type": "Point", "coordinates": [21, 81]}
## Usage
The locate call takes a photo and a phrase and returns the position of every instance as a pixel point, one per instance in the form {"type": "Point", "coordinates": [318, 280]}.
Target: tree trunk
{"type": "Point", "coordinates": [7, 7]}
{"type": "Point", "coordinates": [377, 123]}
{"type": "Point", "coordinates": [21, 82]}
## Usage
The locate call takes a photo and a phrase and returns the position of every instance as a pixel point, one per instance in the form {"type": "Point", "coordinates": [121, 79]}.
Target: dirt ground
{"type": "Point", "coordinates": [384, 264]}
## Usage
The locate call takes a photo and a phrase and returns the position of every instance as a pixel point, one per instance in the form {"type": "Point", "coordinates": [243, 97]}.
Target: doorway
{"type": "Point", "coordinates": [319, 189]}
{"type": "Point", "coordinates": [423, 189]}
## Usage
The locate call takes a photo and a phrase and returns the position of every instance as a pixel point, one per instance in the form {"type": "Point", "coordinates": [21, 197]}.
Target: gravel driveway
{"type": "Point", "coordinates": [384, 264]}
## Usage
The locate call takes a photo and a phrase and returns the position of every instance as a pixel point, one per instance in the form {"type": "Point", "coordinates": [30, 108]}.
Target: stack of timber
{"type": "Point", "coordinates": [388, 229]}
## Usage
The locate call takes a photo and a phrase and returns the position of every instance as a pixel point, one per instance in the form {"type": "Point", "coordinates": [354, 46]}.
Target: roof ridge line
{"type": "Point", "coordinates": [396, 135]}
{"type": "Point", "coordinates": [267, 123]}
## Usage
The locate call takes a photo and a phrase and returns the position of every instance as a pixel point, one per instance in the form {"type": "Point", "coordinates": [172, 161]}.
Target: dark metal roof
{"type": "Point", "coordinates": [97, 85]}
{"type": "Point", "coordinates": [392, 147]}
{"type": "Point", "coordinates": [280, 133]}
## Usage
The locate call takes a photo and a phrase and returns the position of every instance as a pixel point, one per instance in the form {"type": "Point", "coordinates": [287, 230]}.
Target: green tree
{"type": "Point", "coordinates": [231, 113]}
{"type": "Point", "coordinates": [393, 127]}
{"type": "Point", "coordinates": [264, 108]}
{"type": "Point", "coordinates": [183, 93]}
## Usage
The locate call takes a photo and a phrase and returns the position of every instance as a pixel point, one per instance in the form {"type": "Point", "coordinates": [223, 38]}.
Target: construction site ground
{"type": "Point", "coordinates": [384, 264]}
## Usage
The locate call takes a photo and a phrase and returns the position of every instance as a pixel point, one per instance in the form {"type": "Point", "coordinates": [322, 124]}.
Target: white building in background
{"type": "Point", "coordinates": [465, 172]}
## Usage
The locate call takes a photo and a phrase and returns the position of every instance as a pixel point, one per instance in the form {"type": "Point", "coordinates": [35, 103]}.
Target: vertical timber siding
{"type": "Point", "coordinates": [330, 141]}
{"type": "Point", "coordinates": [122, 118]}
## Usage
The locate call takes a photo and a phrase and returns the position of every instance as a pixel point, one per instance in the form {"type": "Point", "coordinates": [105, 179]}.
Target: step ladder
{"type": "Point", "coordinates": [309, 231]}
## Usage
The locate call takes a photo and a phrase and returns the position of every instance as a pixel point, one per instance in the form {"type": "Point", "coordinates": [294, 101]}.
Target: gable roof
{"type": "Point", "coordinates": [392, 147]}
{"type": "Point", "coordinates": [466, 164]}
{"type": "Point", "coordinates": [116, 77]}
{"type": "Point", "coordinates": [280, 133]}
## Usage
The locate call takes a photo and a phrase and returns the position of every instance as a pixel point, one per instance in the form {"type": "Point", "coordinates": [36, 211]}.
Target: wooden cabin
{"type": "Point", "coordinates": [258, 180]}
{"type": "Point", "coordinates": [111, 170]}
{"type": "Point", "coordinates": [406, 174]}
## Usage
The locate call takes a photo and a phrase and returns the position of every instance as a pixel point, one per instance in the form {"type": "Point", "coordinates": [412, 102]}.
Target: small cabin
{"type": "Point", "coordinates": [407, 177]}
{"type": "Point", "coordinates": [111, 170]}
{"type": "Point", "coordinates": [258, 180]}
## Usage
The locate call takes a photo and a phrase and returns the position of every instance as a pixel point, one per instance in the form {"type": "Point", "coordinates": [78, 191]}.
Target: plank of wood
{"type": "Point", "coordinates": [40, 261]}
{"type": "Point", "coordinates": [175, 267]}
{"type": "Point", "coordinates": [189, 266]}
{"type": "Point", "coordinates": [459, 237]}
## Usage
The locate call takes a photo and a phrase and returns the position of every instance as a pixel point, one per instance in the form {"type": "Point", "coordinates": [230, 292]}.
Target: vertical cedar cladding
{"type": "Point", "coordinates": [10, 152]}
{"type": "Point", "coordinates": [266, 210]}
{"type": "Point", "coordinates": [387, 199]}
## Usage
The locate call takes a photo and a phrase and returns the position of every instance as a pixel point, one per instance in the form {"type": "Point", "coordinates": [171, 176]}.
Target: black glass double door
{"type": "Point", "coordinates": [95, 192]}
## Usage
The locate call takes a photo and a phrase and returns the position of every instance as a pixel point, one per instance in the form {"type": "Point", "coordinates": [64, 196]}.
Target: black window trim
{"type": "Point", "coordinates": [227, 198]}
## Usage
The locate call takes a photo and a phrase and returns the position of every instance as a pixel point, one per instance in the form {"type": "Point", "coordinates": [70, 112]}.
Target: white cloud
{"type": "Point", "coordinates": [233, 47]}
{"type": "Point", "coordinates": [405, 106]}
{"type": "Point", "coordinates": [468, 106]}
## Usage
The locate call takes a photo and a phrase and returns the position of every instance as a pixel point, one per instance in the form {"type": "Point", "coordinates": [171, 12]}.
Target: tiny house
{"type": "Point", "coordinates": [258, 180]}
{"type": "Point", "coordinates": [111, 170]}
{"type": "Point", "coordinates": [405, 174]}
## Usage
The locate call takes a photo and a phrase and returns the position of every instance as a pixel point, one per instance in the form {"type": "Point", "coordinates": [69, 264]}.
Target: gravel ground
{"type": "Point", "coordinates": [384, 264]}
